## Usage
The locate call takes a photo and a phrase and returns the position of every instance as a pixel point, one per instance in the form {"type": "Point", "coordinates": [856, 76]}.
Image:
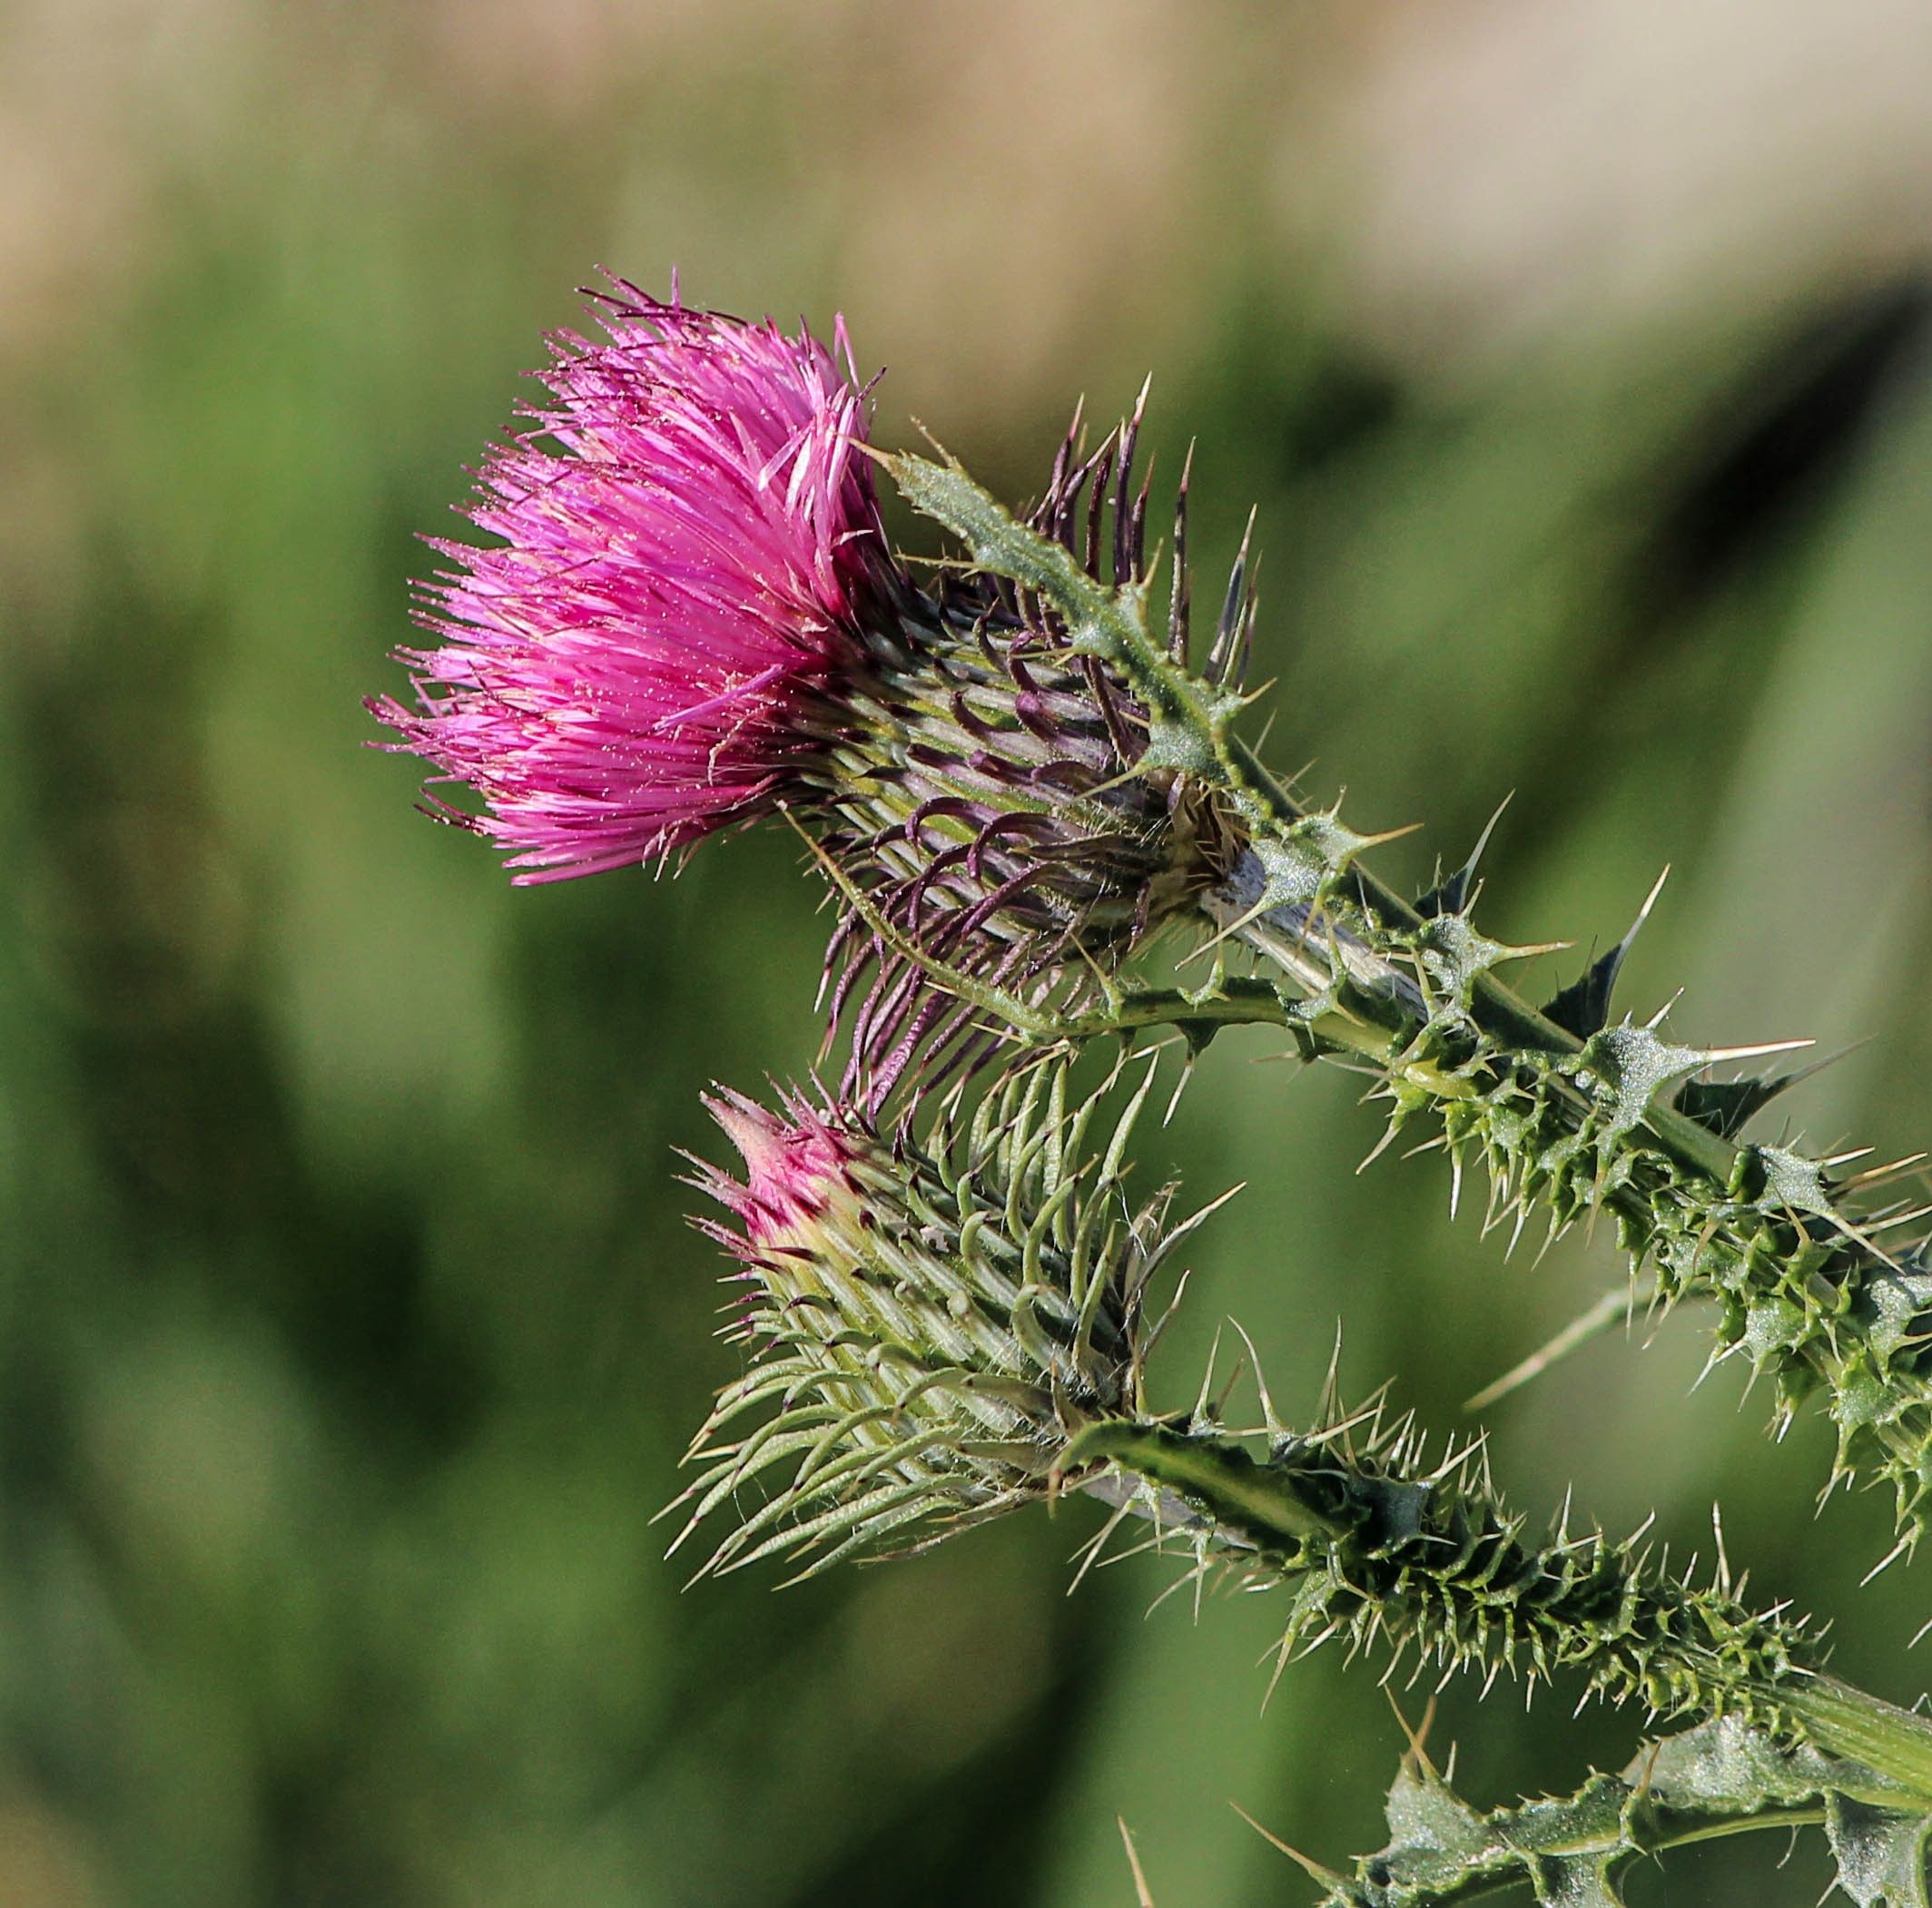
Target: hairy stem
{"type": "Point", "coordinates": [1846, 1721]}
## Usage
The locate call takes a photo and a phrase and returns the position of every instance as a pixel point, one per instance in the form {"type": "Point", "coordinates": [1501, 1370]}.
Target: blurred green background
{"type": "Point", "coordinates": [1575, 354]}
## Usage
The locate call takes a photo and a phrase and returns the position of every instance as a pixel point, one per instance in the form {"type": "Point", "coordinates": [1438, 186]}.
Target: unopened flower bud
{"type": "Point", "coordinates": [929, 1327]}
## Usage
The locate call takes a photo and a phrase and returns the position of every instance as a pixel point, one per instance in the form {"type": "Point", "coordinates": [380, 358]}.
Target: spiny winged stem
{"type": "Point", "coordinates": [1568, 1113]}
{"type": "Point", "coordinates": [943, 1332]}
{"type": "Point", "coordinates": [1719, 1778]}
{"type": "Point", "coordinates": [1375, 1543]}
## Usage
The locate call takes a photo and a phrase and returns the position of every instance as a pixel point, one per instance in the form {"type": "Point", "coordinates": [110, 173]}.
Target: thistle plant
{"type": "Point", "coordinates": [1023, 795]}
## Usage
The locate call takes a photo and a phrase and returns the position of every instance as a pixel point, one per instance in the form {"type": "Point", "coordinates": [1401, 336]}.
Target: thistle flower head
{"type": "Point", "coordinates": [1014, 830]}
{"type": "Point", "coordinates": [690, 616]}
{"type": "Point", "coordinates": [689, 544]}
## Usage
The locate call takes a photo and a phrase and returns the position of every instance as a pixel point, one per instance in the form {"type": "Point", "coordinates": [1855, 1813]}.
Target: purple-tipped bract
{"type": "Point", "coordinates": [794, 1162]}
{"type": "Point", "coordinates": [689, 545]}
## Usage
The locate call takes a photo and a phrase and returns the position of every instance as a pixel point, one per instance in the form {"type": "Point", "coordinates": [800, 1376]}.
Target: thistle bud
{"type": "Point", "coordinates": [930, 1326]}
{"type": "Point", "coordinates": [940, 1334]}
{"type": "Point", "coordinates": [1000, 818]}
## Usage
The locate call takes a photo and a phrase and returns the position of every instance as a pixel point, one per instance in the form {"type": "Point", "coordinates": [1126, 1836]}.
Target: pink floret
{"type": "Point", "coordinates": [689, 542]}
{"type": "Point", "coordinates": [794, 1162]}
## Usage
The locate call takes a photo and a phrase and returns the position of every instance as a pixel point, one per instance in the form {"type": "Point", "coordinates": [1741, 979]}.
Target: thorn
{"type": "Point", "coordinates": [1417, 1737]}
{"type": "Point", "coordinates": [1129, 436]}
{"type": "Point", "coordinates": [1228, 633]}
{"type": "Point", "coordinates": [1220, 1405]}
{"type": "Point", "coordinates": [1535, 947]}
{"type": "Point", "coordinates": [1142, 1893]}
{"type": "Point", "coordinates": [1711, 1055]}
{"type": "Point", "coordinates": [1885, 1562]}
{"type": "Point", "coordinates": [1910, 1217]}
{"type": "Point", "coordinates": [1452, 896]}
{"type": "Point", "coordinates": [1181, 1087]}
{"type": "Point", "coordinates": [1200, 1403]}
{"type": "Point", "coordinates": [1723, 1562]}
{"type": "Point", "coordinates": [1180, 608]}
{"type": "Point", "coordinates": [1662, 1013]}
{"type": "Point", "coordinates": [1268, 1419]}
{"type": "Point", "coordinates": [1523, 1214]}
{"type": "Point", "coordinates": [1328, 1402]}
{"type": "Point", "coordinates": [1228, 931]}
{"type": "Point", "coordinates": [1387, 834]}
{"type": "Point", "coordinates": [1095, 1547]}
{"type": "Point", "coordinates": [1582, 1007]}
{"type": "Point", "coordinates": [1876, 1175]}
{"type": "Point", "coordinates": [1307, 1863]}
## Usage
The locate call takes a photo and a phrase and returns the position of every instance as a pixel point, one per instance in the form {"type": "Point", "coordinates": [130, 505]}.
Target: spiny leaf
{"type": "Point", "coordinates": [1721, 1776]}
{"type": "Point", "coordinates": [1727, 1107]}
{"type": "Point", "coordinates": [1880, 1852]}
{"type": "Point", "coordinates": [1379, 1545]}
{"type": "Point", "coordinates": [1582, 1007]}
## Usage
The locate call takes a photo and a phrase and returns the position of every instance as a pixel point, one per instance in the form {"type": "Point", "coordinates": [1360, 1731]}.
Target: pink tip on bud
{"type": "Point", "coordinates": [794, 1163]}
{"type": "Point", "coordinates": [689, 545]}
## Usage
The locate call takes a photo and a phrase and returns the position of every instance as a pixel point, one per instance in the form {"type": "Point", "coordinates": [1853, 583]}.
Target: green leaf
{"type": "Point", "coordinates": [1881, 1852]}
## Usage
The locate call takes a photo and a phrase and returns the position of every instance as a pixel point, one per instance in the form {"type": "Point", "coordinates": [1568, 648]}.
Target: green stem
{"type": "Point", "coordinates": [1894, 1742]}
{"type": "Point", "coordinates": [1217, 1474]}
{"type": "Point", "coordinates": [1383, 1023]}
{"type": "Point", "coordinates": [1432, 1561]}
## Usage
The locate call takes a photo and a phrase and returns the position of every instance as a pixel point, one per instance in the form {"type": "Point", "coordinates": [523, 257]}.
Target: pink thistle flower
{"type": "Point", "coordinates": [690, 550]}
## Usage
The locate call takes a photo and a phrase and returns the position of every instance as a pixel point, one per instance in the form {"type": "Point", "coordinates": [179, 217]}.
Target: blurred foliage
{"type": "Point", "coordinates": [349, 1330]}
